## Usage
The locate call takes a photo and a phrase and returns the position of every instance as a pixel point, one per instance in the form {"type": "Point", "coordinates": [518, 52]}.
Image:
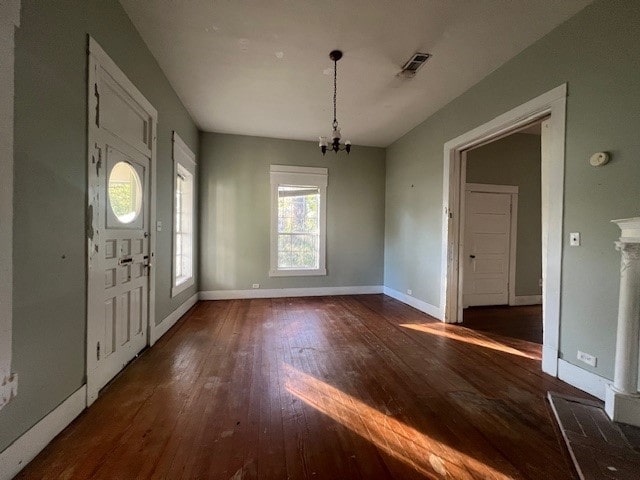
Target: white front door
{"type": "Point", "coordinates": [487, 241]}
{"type": "Point", "coordinates": [121, 151]}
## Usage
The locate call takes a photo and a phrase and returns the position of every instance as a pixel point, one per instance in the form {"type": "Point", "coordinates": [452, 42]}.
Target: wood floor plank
{"type": "Point", "coordinates": [346, 387]}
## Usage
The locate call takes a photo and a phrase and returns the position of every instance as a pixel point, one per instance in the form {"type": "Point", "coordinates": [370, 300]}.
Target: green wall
{"type": "Point", "coordinates": [596, 53]}
{"type": "Point", "coordinates": [373, 206]}
{"type": "Point", "coordinates": [49, 317]}
{"type": "Point", "coordinates": [515, 160]}
{"type": "Point", "coordinates": [235, 212]}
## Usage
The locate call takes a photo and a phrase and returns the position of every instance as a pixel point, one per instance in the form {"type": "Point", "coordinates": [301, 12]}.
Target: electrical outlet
{"type": "Point", "coordinates": [255, 285]}
{"type": "Point", "coordinates": [574, 239]}
{"type": "Point", "coordinates": [587, 358]}
{"type": "Point", "coordinates": [409, 291]}
{"type": "Point", "coordinates": [158, 226]}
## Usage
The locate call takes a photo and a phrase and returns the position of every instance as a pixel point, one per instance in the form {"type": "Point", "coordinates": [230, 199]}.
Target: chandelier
{"type": "Point", "coordinates": [335, 144]}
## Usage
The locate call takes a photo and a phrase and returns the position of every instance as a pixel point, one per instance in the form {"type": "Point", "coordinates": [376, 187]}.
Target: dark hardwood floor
{"type": "Point", "coordinates": [348, 387]}
{"type": "Point", "coordinates": [524, 323]}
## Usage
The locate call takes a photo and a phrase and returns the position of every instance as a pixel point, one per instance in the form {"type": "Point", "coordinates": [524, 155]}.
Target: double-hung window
{"type": "Point", "coordinates": [298, 220]}
{"type": "Point", "coordinates": [183, 213]}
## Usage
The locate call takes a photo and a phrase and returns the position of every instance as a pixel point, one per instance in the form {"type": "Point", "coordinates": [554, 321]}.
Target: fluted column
{"type": "Point", "coordinates": [622, 398]}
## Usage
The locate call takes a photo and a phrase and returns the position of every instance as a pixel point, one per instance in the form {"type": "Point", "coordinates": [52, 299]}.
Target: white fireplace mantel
{"type": "Point", "coordinates": [622, 402]}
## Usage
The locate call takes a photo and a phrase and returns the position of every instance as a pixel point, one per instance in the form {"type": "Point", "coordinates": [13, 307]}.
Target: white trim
{"type": "Point", "coordinates": [549, 359]}
{"type": "Point", "coordinates": [323, 171]}
{"type": "Point", "coordinates": [27, 446]}
{"type": "Point", "coordinates": [185, 159]}
{"type": "Point", "coordinates": [527, 300]}
{"type": "Point", "coordinates": [9, 21]}
{"type": "Point", "coordinates": [98, 58]}
{"type": "Point", "coordinates": [289, 292]}
{"type": "Point", "coordinates": [489, 188]}
{"type": "Point", "coordinates": [10, 12]}
{"type": "Point", "coordinates": [414, 302]}
{"type": "Point", "coordinates": [178, 289]}
{"type": "Point", "coordinates": [553, 104]}
{"type": "Point", "coordinates": [178, 142]}
{"type": "Point", "coordinates": [307, 176]}
{"type": "Point", "coordinates": [583, 379]}
{"type": "Point", "coordinates": [8, 387]}
{"type": "Point", "coordinates": [298, 273]}
{"type": "Point", "coordinates": [119, 76]}
{"type": "Point", "coordinates": [171, 319]}
{"type": "Point", "coordinates": [511, 190]}
{"type": "Point", "coordinates": [622, 407]}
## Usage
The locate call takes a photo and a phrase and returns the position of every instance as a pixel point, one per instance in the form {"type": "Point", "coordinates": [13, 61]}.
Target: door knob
{"type": "Point", "coordinates": [472, 256]}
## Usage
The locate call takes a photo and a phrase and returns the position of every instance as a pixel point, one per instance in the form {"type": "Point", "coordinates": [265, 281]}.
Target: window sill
{"type": "Point", "coordinates": [298, 273]}
{"type": "Point", "coordinates": [181, 287]}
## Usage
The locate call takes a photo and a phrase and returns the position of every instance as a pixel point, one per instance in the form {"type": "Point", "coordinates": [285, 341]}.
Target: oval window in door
{"type": "Point", "coordinates": [125, 192]}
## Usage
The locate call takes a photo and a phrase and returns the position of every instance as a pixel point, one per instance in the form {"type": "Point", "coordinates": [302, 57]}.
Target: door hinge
{"type": "Point", "coordinates": [89, 221]}
{"type": "Point", "coordinates": [98, 351]}
{"type": "Point", "coordinates": [97, 94]}
{"type": "Point", "coordinates": [99, 161]}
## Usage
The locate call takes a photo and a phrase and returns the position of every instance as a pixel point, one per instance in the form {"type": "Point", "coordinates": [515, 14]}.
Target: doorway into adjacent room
{"type": "Point", "coordinates": [548, 109]}
{"type": "Point", "coordinates": [501, 237]}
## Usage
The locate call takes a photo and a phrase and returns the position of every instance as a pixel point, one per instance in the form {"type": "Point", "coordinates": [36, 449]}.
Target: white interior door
{"type": "Point", "coordinates": [121, 151]}
{"type": "Point", "coordinates": [487, 244]}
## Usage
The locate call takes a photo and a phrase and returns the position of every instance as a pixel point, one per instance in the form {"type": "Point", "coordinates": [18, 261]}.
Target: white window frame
{"type": "Point", "coordinates": [9, 21]}
{"type": "Point", "coordinates": [184, 163]}
{"type": "Point", "coordinates": [287, 175]}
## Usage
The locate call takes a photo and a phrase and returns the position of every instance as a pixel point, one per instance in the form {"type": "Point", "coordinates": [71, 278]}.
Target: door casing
{"type": "Point", "coordinates": [551, 104]}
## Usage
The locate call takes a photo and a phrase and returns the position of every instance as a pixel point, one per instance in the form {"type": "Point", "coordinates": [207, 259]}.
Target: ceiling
{"type": "Point", "coordinates": [262, 67]}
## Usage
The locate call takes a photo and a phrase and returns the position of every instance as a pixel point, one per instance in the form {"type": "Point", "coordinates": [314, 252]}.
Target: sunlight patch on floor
{"type": "Point", "coordinates": [425, 455]}
{"type": "Point", "coordinates": [478, 339]}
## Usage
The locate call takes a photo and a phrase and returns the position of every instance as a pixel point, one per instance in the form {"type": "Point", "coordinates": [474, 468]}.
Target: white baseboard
{"type": "Point", "coordinates": [527, 300]}
{"type": "Point", "coordinates": [24, 449]}
{"type": "Point", "coordinates": [583, 379]}
{"type": "Point", "coordinates": [171, 319]}
{"type": "Point", "coordinates": [288, 292]}
{"type": "Point", "coordinates": [414, 302]}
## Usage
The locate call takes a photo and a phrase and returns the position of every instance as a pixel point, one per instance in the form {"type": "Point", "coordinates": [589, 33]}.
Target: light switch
{"type": "Point", "coordinates": [574, 239]}
{"type": "Point", "coordinates": [158, 226]}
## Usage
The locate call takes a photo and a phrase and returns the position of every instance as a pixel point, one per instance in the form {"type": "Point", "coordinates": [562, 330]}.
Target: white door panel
{"type": "Point", "coordinates": [126, 252]}
{"type": "Point", "coordinates": [491, 243]}
{"type": "Point", "coordinates": [486, 248]}
{"type": "Point", "coordinates": [120, 159]}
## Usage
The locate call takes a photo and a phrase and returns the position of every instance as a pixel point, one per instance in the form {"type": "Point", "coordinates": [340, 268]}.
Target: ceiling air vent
{"type": "Point", "coordinates": [414, 64]}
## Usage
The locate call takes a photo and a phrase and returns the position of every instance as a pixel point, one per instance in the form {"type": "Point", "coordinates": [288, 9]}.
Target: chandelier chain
{"type": "Point", "coordinates": [335, 90]}
{"type": "Point", "coordinates": [334, 143]}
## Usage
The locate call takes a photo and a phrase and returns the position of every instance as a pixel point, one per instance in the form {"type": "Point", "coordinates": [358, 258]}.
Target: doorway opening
{"type": "Point", "coordinates": [552, 107]}
{"type": "Point", "coordinates": [501, 237]}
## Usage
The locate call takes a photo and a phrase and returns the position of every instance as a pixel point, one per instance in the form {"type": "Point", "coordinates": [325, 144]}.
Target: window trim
{"type": "Point", "coordinates": [183, 158]}
{"type": "Point", "coordinates": [298, 176]}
